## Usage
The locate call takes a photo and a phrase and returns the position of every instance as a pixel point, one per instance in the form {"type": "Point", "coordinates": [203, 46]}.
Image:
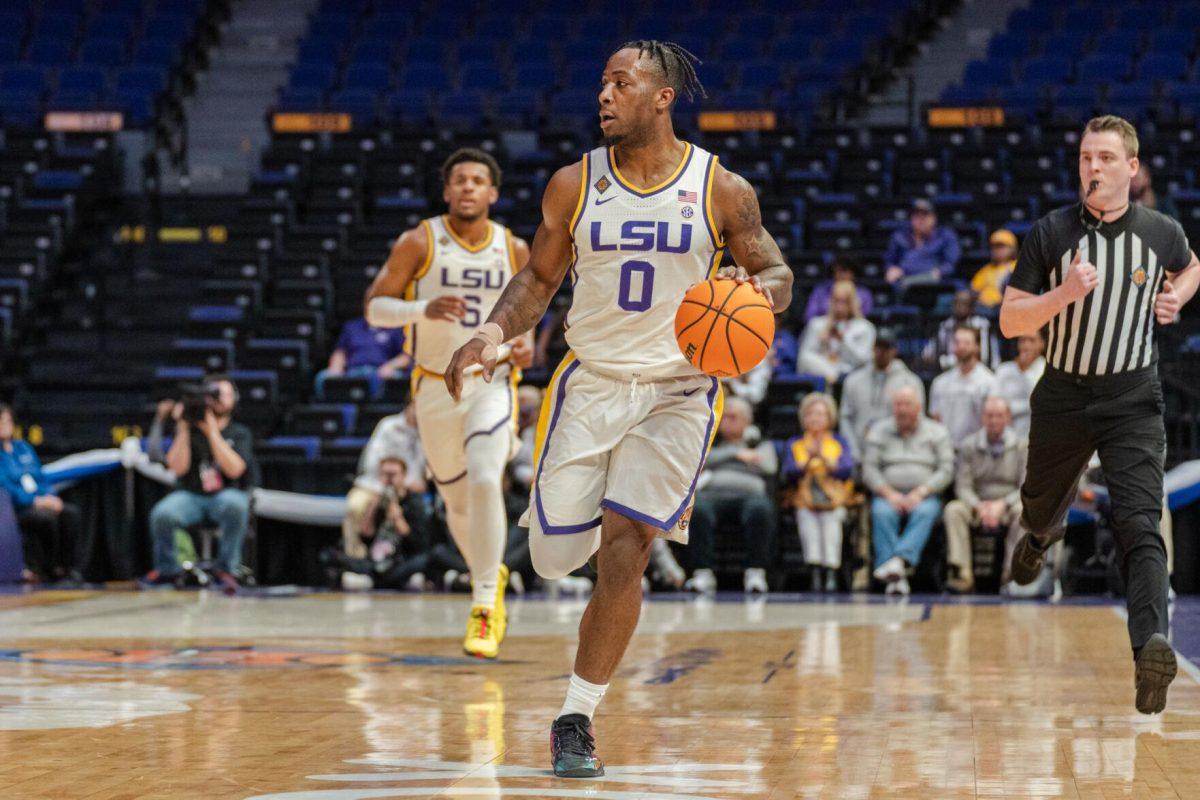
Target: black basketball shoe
{"type": "Point", "coordinates": [1156, 667]}
{"type": "Point", "coordinates": [1027, 560]}
{"type": "Point", "coordinates": [573, 748]}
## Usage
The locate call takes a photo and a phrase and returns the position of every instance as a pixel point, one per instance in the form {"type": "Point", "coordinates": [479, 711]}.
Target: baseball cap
{"type": "Point", "coordinates": [921, 204]}
{"type": "Point", "coordinates": [886, 336]}
{"type": "Point", "coordinates": [1003, 236]}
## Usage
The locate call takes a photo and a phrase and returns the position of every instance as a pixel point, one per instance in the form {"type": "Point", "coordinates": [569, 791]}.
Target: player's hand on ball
{"type": "Point", "coordinates": [740, 275]}
{"type": "Point", "coordinates": [448, 308]}
{"type": "Point", "coordinates": [470, 354]}
{"type": "Point", "coordinates": [1081, 279]}
{"type": "Point", "coordinates": [1166, 304]}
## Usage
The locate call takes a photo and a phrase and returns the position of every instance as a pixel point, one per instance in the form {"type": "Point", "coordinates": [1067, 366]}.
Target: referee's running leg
{"type": "Point", "coordinates": [1120, 417]}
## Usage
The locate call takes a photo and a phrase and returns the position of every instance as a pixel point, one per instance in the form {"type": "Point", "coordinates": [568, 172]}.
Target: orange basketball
{"type": "Point", "coordinates": [724, 328]}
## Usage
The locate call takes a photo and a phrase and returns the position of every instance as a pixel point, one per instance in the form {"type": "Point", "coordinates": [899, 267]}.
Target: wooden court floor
{"type": "Point", "coordinates": [121, 695]}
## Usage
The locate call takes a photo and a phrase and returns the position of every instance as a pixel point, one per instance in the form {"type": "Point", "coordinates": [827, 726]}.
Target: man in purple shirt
{"type": "Point", "coordinates": [842, 269]}
{"type": "Point", "coordinates": [925, 253]}
{"type": "Point", "coordinates": [375, 353]}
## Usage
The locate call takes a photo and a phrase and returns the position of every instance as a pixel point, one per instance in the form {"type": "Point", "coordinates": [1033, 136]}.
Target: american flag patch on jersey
{"type": "Point", "coordinates": [686, 196]}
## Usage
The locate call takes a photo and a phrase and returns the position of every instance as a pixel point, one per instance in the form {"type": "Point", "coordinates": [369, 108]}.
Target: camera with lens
{"type": "Point", "coordinates": [197, 398]}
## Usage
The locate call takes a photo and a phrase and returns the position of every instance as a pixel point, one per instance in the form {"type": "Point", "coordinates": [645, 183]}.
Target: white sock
{"type": "Point", "coordinates": [483, 590]}
{"type": "Point", "coordinates": [582, 697]}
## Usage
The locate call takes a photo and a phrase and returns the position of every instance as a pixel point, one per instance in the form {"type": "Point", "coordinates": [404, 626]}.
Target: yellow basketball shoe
{"type": "Point", "coordinates": [486, 626]}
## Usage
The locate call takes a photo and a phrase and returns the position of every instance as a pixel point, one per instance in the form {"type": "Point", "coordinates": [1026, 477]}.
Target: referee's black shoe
{"type": "Point", "coordinates": [1027, 560]}
{"type": "Point", "coordinates": [1155, 669]}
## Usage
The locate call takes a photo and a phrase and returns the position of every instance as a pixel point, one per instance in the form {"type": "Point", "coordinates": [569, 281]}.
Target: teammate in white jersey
{"type": "Point", "coordinates": [442, 279]}
{"type": "Point", "coordinates": [627, 421]}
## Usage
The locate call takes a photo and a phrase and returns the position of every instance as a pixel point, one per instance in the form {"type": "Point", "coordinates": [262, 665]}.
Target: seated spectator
{"type": "Point", "coordinates": [819, 467]}
{"type": "Point", "coordinates": [213, 460]}
{"type": "Point", "coordinates": [395, 437]}
{"type": "Point", "coordinates": [956, 396]}
{"type": "Point", "coordinates": [752, 384]}
{"type": "Point", "coordinates": [785, 349]}
{"type": "Point", "coordinates": [909, 462]}
{"type": "Point", "coordinates": [520, 469]}
{"type": "Point", "coordinates": [987, 485]}
{"type": "Point", "coordinates": [50, 528]}
{"type": "Point", "coordinates": [923, 253]}
{"type": "Point", "coordinates": [736, 488]}
{"type": "Point", "coordinates": [837, 343]}
{"type": "Point", "coordinates": [842, 269]}
{"type": "Point", "coordinates": [989, 282]}
{"type": "Point", "coordinates": [393, 532]}
{"type": "Point", "coordinates": [939, 353]}
{"type": "Point", "coordinates": [1015, 379]}
{"type": "Point", "coordinates": [866, 391]}
{"type": "Point", "coordinates": [1141, 190]}
{"type": "Point", "coordinates": [374, 353]}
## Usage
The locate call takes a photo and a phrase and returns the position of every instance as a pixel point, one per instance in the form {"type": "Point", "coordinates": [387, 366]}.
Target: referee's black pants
{"type": "Point", "coordinates": [1121, 418]}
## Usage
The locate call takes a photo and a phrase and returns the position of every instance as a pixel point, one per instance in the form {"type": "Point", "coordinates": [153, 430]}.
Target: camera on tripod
{"type": "Point", "coordinates": [197, 398]}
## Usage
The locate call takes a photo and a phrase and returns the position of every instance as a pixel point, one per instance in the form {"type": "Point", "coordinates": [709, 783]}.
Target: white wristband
{"type": "Point", "coordinates": [390, 312]}
{"type": "Point", "coordinates": [491, 333]}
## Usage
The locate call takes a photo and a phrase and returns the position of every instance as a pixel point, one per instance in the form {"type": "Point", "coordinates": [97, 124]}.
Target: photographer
{"type": "Point", "coordinates": [393, 531]}
{"type": "Point", "coordinates": [213, 459]}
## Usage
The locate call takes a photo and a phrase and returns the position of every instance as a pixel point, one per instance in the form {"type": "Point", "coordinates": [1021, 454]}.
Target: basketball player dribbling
{"type": "Point", "coordinates": [626, 422]}
{"type": "Point", "coordinates": [441, 279]}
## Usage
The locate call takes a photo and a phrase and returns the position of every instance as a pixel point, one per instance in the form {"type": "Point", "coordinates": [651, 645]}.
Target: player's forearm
{"type": "Point", "coordinates": [1025, 316]}
{"type": "Point", "coordinates": [778, 280]}
{"type": "Point", "coordinates": [523, 303]}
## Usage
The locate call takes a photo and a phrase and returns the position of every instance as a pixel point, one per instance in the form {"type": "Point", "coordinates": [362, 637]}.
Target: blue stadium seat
{"type": "Point", "coordinates": [368, 77]}
{"type": "Point", "coordinates": [985, 74]}
{"type": "Point", "coordinates": [333, 25]}
{"type": "Point", "coordinates": [792, 48]}
{"type": "Point", "coordinates": [1143, 16]}
{"type": "Point", "coordinates": [425, 48]}
{"type": "Point", "coordinates": [10, 50]}
{"type": "Point", "coordinates": [373, 51]}
{"type": "Point", "coordinates": [138, 107]}
{"type": "Point", "coordinates": [482, 75]}
{"type": "Point", "coordinates": [168, 27]}
{"type": "Point", "coordinates": [1168, 41]}
{"type": "Point", "coordinates": [1009, 46]}
{"type": "Point", "coordinates": [520, 105]}
{"type": "Point", "coordinates": [361, 104]}
{"type": "Point", "coordinates": [1046, 70]}
{"type": "Point", "coordinates": [1103, 68]}
{"type": "Point", "coordinates": [102, 52]}
{"type": "Point", "coordinates": [112, 26]}
{"type": "Point", "coordinates": [1035, 20]}
{"type": "Point", "coordinates": [49, 52]}
{"type": "Point", "coordinates": [1119, 41]}
{"type": "Point", "coordinates": [736, 49]}
{"type": "Point", "coordinates": [536, 76]}
{"type": "Point", "coordinates": [1027, 100]}
{"type": "Point", "coordinates": [57, 26]}
{"type": "Point", "coordinates": [1075, 101]}
{"type": "Point", "coordinates": [392, 25]}
{"type": "Point", "coordinates": [500, 26]}
{"type": "Point", "coordinates": [312, 76]}
{"type": "Point", "coordinates": [156, 53]}
{"type": "Point", "coordinates": [466, 108]}
{"type": "Point", "coordinates": [549, 27]}
{"type": "Point", "coordinates": [740, 100]}
{"type": "Point", "coordinates": [575, 102]}
{"type": "Point", "coordinates": [762, 75]}
{"type": "Point", "coordinates": [425, 76]}
{"type": "Point", "coordinates": [150, 81]}
{"type": "Point", "coordinates": [1162, 66]}
{"type": "Point", "coordinates": [297, 99]}
{"type": "Point", "coordinates": [582, 75]}
{"type": "Point", "coordinates": [319, 50]}
{"type": "Point", "coordinates": [410, 105]}
{"type": "Point", "coordinates": [31, 80]}
{"type": "Point", "coordinates": [83, 79]}
{"type": "Point", "coordinates": [1069, 43]}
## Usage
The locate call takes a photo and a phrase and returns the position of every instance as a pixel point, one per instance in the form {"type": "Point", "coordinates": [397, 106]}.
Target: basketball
{"type": "Point", "coordinates": [723, 327]}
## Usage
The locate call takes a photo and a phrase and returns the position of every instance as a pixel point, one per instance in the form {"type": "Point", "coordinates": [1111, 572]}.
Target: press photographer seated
{"type": "Point", "coordinates": [213, 458]}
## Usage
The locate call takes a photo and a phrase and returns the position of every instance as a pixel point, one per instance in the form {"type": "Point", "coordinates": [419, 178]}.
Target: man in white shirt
{"type": "Point", "coordinates": [957, 395]}
{"type": "Point", "coordinates": [395, 437]}
{"type": "Point", "coordinates": [867, 391]}
{"type": "Point", "coordinates": [1015, 379]}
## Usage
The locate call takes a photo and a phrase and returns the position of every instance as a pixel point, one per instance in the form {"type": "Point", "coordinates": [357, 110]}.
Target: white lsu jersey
{"type": "Point", "coordinates": [637, 251]}
{"type": "Point", "coordinates": [453, 267]}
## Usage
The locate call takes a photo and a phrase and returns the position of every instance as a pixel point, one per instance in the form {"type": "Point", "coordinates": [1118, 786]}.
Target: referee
{"type": "Point", "coordinates": [1099, 275]}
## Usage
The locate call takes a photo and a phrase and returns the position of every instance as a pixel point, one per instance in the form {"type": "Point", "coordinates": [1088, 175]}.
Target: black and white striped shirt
{"type": "Point", "coordinates": [1112, 329]}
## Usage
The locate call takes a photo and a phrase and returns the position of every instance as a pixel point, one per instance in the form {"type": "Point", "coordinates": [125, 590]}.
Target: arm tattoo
{"type": "Point", "coordinates": [522, 304]}
{"type": "Point", "coordinates": [758, 246]}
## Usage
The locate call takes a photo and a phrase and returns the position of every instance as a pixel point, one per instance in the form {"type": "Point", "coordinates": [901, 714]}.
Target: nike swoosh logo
{"type": "Point", "coordinates": [687, 392]}
{"type": "Point", "coordinates": [600, 202]}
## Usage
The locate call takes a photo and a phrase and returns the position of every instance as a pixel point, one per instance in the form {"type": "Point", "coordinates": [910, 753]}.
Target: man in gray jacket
{"type": "Point", "coordinates": [909, 462]}
{"type": "Point", "coordinates": [866, 391]}
{"type": "Point", "coordinates": [736, 487]}
{"type": "Point", "coordinates": [991, 469]}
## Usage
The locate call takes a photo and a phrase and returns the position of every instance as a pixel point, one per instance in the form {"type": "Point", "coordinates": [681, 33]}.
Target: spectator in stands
{"type": "Point", "coordinates": [520, 469]}
{"type": "Point", "coordinates": [735, 489]}
{"type": "Point", "coordinates": [838, 342]}
{"type": "Point", "coordinates": [989, 282]}
{"type": "Point", "coordinates": [987, 485]}
{"type": "Point", "coordinates": [213, 460]}
{"type": "Point", "coordinates": [374, 353]}
{"type": "Point", "coordinates": [393, 533]}
{"type": "Point", "coordinates": [818, 465]}
{"type": "Point", "coordinates": [396, 438]}
{"type": "Point", "coordinates": [909, 462]}
{"type": "Point", "coordinates": [866, 391]}
{"type": "Point", "coordinates": [925, 252]}
{"type": "Point", "coordinates": [1015, 379]}
{"type": "Point", "coordinates": [939, 352]}
{"type": "Point", "coordinates": [956, 396]}
{"type": "Point", "coordinates": [842, 269]}
{"type": "Point", "coordinates": [1141, 190]}
{"type": "Point", "coordinates": [752, 384]}
{"type": "Point", "coordinates": [50, 528]}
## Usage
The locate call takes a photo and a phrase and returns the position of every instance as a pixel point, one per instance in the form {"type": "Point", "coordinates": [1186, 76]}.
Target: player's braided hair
{"type": "Point", "coordinates": [678, 65]}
